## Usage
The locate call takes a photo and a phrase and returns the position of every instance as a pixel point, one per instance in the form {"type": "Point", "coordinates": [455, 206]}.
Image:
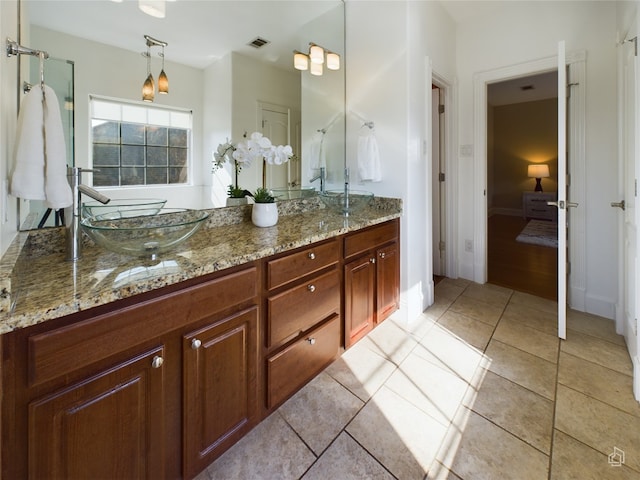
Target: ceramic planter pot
{"type": "Point", "coordinates": [264, 214]}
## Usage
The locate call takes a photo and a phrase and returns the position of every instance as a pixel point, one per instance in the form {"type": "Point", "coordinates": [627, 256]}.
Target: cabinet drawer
{"type": "Point", "coordinates": [362, 241]}
{"type": "Point", "coordinates": [299, 264]}
{"type": "Point", "coordinates": [56, 353]}
{"type": "Point", "coordinates": [288, 370]}
{"type": "Point", "coordinates": [300, 308]}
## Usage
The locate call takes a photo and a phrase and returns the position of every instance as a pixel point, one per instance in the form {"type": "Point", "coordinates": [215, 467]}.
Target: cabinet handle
{"type": "Point", "coordinates": [311, 340]}
{"type": "Point", "coordinates": [372, 260]}
{"type": "Point", "coordinates": [157, 361]}
{"type": "Point", "coordinates": [312, 256]}
{"type": "Point", "coordinates": [195, 343]}
{"type": "Point", "coordinates": [382, 254]}
{"type": "Point", "coordinates": [311, 288]}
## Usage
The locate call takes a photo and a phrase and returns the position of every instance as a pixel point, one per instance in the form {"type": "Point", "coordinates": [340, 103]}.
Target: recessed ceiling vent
{"type": "Point", "coordinates": [527, 87]}
{"type": "Point", "coordinates": [258, 42]}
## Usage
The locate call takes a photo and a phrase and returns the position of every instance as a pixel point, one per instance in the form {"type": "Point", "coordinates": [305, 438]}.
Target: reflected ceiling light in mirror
{"type": "Point", "coordinates": [300, 60]}
{"type": "Point", "coordinates": [155, 8]}
{"type": "Point", "coordinates": [316, 53]}
{"type": "Point", "coordinates": [315, 60]}
{"type": "Point", "coordinates": [148, 88]}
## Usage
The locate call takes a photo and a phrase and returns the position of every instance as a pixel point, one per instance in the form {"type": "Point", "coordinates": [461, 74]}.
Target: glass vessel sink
{"type": "Point", "coordinates": [290, 193]}
{"type": "Point", "coordinates": [337, 201]}
{"type": "Point", "coordinates": [152, 205]}
{"type": "Point", "coordinates": [140, 233]}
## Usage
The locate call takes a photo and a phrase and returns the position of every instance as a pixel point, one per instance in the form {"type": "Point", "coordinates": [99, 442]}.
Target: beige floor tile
{"type": "Point", "coordinates": [257, 455]}
{"type": "Point", "coordinates": [460, 282]}
{"type": "Point", "coordinates": [417, 327]}
{"type": "Point", "coordinates": [390, 341]}
{"type": "Point", "coordinates": [573, 460]}
{"type": "Point", "coordinates": [486, 451]}
{"type": "Point", "coordinates": [433, 390]}
{"type": "Point", "coordinates": [485, 312]}
{"type": "Point", "coordinates": [599, 382]}
{"type": "Point", "coordinates": [472, 331]}
{"type": "Point", "coordinates": [549, 306]}
{"type": "Point", "coordinates": [529, 371]}
{"type": "Point", "coordinates": [346, 460]}
{"type": "Point", "coordinates": [595, 326]}
{"type": "Point", "coordinates": [451, 353]}
{"type": "Point", "coordinates": [610, 355]}
{"type": "Point", "coordinates": [403, 438]}
{"type": "Point", "coordinates": [361, 371]}
{"type": "Point", "coordinates": [320, 410]}
{"type": "Point", "coordinates": [439, 472]}
{"type": "Point", "coordinates": [488, 293]}
{"type": "Point", "coordinates": [438, 308]}
{"type": "Point", "coordinates": [598, 425]}
{"type": "Point", "coordinates": [521, 412]}
{"type": "Point", "coordinates": [523, 314]}
{"type": "Point", "coordinates": [528, 339]}
{"type": "Point", "coordinates": [448, 290]}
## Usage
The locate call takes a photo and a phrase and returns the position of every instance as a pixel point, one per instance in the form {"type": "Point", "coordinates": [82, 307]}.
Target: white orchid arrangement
{"type": "Point", "coordinates": [256, 147]}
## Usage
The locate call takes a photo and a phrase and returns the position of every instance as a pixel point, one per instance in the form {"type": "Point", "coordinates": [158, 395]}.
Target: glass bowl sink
{"type": "Point", "coordinates": [153, 205]}
{"type": "Point", "coordinates": [337, 201]}
{"type": "Point", "coordinates": [140, 233]}
{"type": "Point", "coordinates": [290, 193]}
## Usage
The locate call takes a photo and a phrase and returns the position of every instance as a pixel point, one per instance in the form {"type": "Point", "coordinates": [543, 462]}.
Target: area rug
{"type": "Point", "coordinates": [540, 232]}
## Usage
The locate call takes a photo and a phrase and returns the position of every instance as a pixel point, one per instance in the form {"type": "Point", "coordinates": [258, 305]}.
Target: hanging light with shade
{"type": "Point", "coordinates": [316, 58]}
{"type": "Point", "coordinates": [148, 88]}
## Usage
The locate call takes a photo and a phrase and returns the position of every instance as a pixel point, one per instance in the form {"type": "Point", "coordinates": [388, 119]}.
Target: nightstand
{"type": "Point", "coordinates": [534, 205]}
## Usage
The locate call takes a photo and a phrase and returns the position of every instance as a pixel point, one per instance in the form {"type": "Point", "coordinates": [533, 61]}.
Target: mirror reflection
{"type": "Point", "coordinates": [220, 89]}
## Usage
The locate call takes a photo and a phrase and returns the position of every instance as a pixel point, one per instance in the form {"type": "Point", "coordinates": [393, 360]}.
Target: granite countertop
{"type": "Point", "coordinates": [37, 284]}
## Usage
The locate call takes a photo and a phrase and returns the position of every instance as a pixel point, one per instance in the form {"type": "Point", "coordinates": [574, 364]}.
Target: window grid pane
{"type": "Point", "coordinates": [132, 153]}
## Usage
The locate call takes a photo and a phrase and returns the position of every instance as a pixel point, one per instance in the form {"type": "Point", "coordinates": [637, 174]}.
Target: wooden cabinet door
{"type": "Point", "coordinates": [219, 375]}
{"type": "Point", "coordinates": [108, 426]}
{"type": "Point", "coordinates": [359, 299]}
{"type": "Point", "coordinates": [387, 281]}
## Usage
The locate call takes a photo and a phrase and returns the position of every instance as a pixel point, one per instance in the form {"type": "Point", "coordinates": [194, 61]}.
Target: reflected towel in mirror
{"type": "Point", "coordinates": [368, 156]}
{"type": "Point", "coordinates": [40, 168]}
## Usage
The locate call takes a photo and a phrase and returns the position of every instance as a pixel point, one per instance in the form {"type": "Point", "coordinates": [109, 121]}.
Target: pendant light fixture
{"type": "Point", "coordinates": [148, 88]}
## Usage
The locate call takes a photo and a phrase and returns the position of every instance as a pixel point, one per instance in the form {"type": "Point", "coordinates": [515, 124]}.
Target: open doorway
{"type": "Point", "coordinates": [522, 145]}
{"type": "Point", "coordinates": [437, 188]}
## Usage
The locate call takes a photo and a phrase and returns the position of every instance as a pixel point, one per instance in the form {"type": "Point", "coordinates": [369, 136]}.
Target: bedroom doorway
{"type": "Point", "coordinates": [522, 142]}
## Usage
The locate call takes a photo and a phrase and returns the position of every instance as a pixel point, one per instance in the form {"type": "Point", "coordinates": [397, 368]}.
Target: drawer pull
{"type": "Point", "coordinates": [372, 260]}
{"type": "Point", "coordinates": [311, 288]}
{"type": "Point", "coordinates": [312, 256]}
{"type": "Point", "coordinates": [195, 344]}
{"type": "Point", "coordinates": [157, 361]}
{"type": "Point", "coordinates": [381, 254]}
{"type": "Point", "coordinates": [311, 340]}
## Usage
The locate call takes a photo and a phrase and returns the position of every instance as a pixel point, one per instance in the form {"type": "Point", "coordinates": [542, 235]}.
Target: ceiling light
{"type": "Point", "coordinates": [300, 60]}
{"type": "Point", "coordinates": [163, 81]}
{"type": "Point", "coordinates": [148, 88]}
{"type": "Point", "coordinates": [333, 61]}
{"type": "Point", "coordinates": [316, 69]}
{"type": "Point", "coordinates": [316, 54]}
{"type": "Point", "coordinates": [155, 8]}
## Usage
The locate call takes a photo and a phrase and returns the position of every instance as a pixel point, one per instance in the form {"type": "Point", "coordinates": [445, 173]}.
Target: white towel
{"type": "Point", "coordinates": [316, 151]}
{"type": "Point", "coordinates": [368, 157]}
{"type": "Point", "coordinates": [40, 168]}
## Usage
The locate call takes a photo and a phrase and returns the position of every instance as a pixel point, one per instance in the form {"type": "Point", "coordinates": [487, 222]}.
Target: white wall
{"type": "Point", "coordinates": [388, 43]}
{"type": "Point", "coordinates": [518, 32]}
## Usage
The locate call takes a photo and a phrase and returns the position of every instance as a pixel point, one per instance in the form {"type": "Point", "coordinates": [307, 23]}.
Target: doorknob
{"type": "Point", "coordinates": [561, 204]}
{"type": "Point", "coordinates": [619, 204]}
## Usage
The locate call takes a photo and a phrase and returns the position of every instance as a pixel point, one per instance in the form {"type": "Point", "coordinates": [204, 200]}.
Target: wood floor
{"type": "Point", "coordinates": [520, 266]}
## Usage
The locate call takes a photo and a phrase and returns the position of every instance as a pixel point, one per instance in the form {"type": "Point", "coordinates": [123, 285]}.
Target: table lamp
{"type": "Point", "coordinates": [538, 171]}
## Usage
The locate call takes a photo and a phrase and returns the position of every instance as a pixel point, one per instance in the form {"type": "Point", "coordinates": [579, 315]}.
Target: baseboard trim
{"type": "Point", "coordinates": [636, 377]}
{"type": "Point", "coordinates": [601, 306]}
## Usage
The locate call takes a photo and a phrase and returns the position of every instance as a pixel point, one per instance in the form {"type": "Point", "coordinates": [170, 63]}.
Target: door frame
{"type": "Point", "coordinates": [576, 142]}
{"type": "Point", "coordinates": [449, 90]}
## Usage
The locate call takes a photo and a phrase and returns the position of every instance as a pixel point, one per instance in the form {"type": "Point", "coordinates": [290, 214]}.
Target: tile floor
{"type": "Point", "coordinates": [478, 387]}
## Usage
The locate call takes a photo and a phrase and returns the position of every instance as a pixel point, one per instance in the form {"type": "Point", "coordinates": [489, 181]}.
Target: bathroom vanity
{"type": "Point", "coordinates": [157, 375]}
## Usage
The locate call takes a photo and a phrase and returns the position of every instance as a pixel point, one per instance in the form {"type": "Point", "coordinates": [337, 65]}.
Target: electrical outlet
{"type": "Point", "coordinates": [468, 246]}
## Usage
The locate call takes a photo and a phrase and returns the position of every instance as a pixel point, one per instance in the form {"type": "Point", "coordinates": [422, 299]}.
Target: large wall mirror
{"type": "Point", "coordinates": [228, 86]}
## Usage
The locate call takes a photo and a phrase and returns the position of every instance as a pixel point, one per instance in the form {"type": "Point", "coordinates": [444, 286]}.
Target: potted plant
{"type": "Point", "coordinates": [224, 153]}
{"type": "Point", "coordinates": [265, 211]}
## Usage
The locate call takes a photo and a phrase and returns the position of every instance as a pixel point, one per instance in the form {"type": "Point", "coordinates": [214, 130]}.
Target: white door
{"type": "Point", "coordinates": [438, 241]}
{"type": "Point", "coordinates": [276, 126]}
{"type": "Point", "coordinates": [627, 205]}
{"type": "Point", "coordinates": [563, 202]}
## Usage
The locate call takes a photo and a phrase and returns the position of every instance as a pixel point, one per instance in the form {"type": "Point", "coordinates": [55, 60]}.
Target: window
{"type": "Point", "coordinates": [136, 144]}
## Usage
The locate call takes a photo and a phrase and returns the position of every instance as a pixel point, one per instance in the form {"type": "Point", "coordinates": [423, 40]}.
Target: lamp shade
{"type": "Point", "coordinates": [538, 170]}
{"type": "Point", "coordinates": [315, 69]}
{"type": "Point", "coordinates": [163, 83]}
{"type": "Point", "coordinates": [316, 54]}
{"type": "Point", "coordinates": [300, 61]}
{"type": "Point", "coordinates": [333, 61]}
{"type": "Point", "coordinates": [148, 89]}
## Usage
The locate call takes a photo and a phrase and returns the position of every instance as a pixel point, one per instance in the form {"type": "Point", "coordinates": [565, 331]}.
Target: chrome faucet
{"type": "Point", "coordinates": [74, 237]}
{"type": "Point", "coordinates": [322, 176]}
